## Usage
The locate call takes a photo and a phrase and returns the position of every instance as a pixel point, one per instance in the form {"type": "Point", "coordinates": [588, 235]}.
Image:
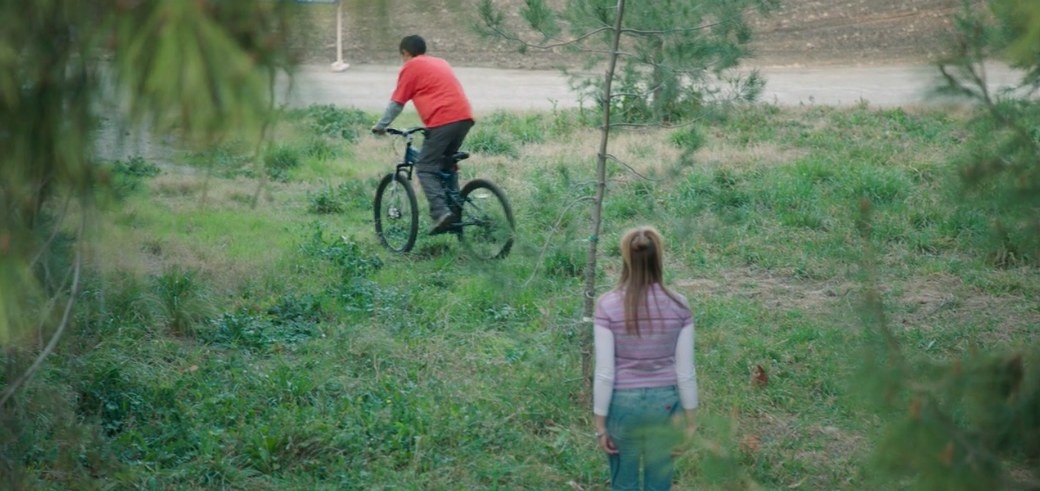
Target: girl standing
{"type": "Point", "coordinates": [645, 382]}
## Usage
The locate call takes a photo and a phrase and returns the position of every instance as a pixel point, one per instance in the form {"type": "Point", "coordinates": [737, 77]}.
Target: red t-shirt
{"type": "Point", "coordinates": [430, 84]}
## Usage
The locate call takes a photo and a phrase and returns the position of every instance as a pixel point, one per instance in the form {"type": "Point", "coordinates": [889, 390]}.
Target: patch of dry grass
{"type": "Point", "coordinates": [720, 153]}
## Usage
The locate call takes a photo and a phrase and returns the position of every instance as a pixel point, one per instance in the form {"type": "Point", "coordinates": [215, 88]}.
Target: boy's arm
{"type": "Point", "coordinates": [393, 109]}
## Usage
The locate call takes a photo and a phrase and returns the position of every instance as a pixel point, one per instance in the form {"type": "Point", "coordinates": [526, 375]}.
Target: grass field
{"type": "Point", "coordinates": [243, 329]}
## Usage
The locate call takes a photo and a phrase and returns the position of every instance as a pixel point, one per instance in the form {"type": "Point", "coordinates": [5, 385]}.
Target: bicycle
{"type": "Point", "coordinates": [484, 219]}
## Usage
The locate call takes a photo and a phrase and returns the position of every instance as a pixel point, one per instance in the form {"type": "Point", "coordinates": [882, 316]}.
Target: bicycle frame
{"type": "Point", "coordinates": [449, 179]}
{"type": "Point", "coordinates": [407, 164]}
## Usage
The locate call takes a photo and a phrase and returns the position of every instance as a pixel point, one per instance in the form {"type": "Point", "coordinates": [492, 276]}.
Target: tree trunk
{"type": "Point", "coordinates": [597, 203]}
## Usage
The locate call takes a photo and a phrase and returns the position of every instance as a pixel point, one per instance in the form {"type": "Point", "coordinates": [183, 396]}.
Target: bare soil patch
{"type": "Point", "coordinates": [771, 290]}
{"type": "Point", "coordinates": [854, 32]}
{"type": "Point", "coordinates": [801, 32]}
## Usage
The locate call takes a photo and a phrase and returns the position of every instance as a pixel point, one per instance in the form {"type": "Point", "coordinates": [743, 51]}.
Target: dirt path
{"type": "Point", "coordinates": [368, 87]}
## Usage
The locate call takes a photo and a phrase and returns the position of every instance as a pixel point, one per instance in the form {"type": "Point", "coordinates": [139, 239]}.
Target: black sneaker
{"type": "Point", "coordinates": [443, 224]}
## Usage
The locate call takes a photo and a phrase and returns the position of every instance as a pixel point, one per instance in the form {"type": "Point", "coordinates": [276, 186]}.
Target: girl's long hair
{"type": "Point", "coordinates": [642, 251]}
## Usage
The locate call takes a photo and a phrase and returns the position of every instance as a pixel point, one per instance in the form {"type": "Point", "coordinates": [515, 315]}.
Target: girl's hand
{"type": "Point", "coordinates": [607, 444]}
{"type": "Point", "coordinates": [686, 423]}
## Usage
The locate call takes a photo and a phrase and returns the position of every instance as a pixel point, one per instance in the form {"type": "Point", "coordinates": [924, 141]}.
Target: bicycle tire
{"type": "Point", "coordinates": [396, 213]}
{"type": "Point", "coordinates": [487, 225]}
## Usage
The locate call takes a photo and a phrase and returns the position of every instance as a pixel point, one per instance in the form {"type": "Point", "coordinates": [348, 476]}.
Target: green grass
{"type": "Point", "coordinates": [303, 356]}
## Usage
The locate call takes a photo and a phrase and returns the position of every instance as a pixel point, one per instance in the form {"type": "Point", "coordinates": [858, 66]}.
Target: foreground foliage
{"type": "Point", "coordinates": [956, 423]}
{"type": "Point", "coordinates": [195, 69]}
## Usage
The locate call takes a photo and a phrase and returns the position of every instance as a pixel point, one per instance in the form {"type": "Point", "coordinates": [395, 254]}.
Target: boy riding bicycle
{"type": "Point", "coordinates": [430, 83]}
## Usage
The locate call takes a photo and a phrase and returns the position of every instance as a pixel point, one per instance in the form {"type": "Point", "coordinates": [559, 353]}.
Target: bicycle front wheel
{"type": "Point", "coordinates": [487, 226]}
{"type": "Point", "coordinates": [396, 213]}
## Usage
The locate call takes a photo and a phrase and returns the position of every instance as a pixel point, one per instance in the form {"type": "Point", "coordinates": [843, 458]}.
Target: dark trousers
{"type": "Point", "coordinates": [440, 144]}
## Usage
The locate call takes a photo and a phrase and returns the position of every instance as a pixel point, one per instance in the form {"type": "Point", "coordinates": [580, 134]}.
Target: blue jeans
{"type": "Point", "coordinates": [640, 423]}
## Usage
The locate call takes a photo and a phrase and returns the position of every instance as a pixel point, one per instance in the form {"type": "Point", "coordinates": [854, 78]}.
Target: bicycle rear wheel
{"type": "Point", "coordinates": [487, 226]}
{"type": "Point", "coordinates": [396, 213]}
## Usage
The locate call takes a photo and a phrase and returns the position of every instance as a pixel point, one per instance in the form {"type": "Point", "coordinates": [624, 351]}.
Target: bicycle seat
{"type": "Point", "coordinates": [460, 156]}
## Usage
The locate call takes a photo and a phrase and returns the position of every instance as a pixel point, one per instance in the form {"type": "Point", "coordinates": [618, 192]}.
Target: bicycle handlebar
{"type": "Point", "coordinates": [405, 132]}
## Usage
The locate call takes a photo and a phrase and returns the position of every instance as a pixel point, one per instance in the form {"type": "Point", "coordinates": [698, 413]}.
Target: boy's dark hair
{"type": "Point", "coordinates": [413, 45]}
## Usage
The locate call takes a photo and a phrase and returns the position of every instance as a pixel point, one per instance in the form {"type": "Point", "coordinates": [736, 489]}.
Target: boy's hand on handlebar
{"type": "Point", "coordinates": [378, 130]}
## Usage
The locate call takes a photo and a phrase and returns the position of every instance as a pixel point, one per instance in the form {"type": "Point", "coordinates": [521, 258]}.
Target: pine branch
{"type": "Point", "coordinates": [50, 240]}
{"type": "Point", "coordinates": [49, 348]}
{"type": "Point", "coordinates": [525, 44]}
{"type": "Point", "coordinates": [631, 169]}
{"type": "Point", "coordinates": [666, 32]}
